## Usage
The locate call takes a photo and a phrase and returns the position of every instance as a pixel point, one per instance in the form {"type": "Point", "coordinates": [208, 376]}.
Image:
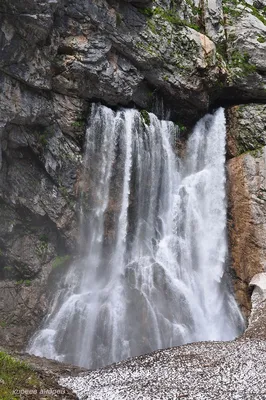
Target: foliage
{"type": "Point", "coordinates": [43, 238]}
{"type": "Point", "coordinates": [15, 375]}
{"type": "Point", "coordinates": [261, 39]}
{"type": "Point", "coordinates": [79, 123]}
{"type": "Point", "coordinates": [170, 16]}
{"type": "Point", "coordinates": [60, 261]}
{"type": "Point", "coordinates": [145, 117]}
{"type": "Point", "coordinates": [43, 134]}
{"type": "Point", "coordinates": [256, 12]}
{"type": "Point", "coordinates": [118, 19]}
{"type": "Point", "coordinates": [221, 48]}
{"type": "Point", "coordinates": [26, 282]}
{"type": "Point", "coordinates": [146, 11]}
{"type": "Point", "coordinates": [41, 248]}
{"type": "Point", "coordinates": [230, 8]}
{"type": "Point", "coordinates": [261, 194]}
{"type": "Point", "coordinates": [43, 139]}
{"type": "Point", "coordinates": [241, 60]}
{"type": "Point", "coordinates": [181, 127]}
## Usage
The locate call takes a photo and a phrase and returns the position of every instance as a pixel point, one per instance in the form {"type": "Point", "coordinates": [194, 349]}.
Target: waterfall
{"type": "Point", "coordinates": [153, 227]}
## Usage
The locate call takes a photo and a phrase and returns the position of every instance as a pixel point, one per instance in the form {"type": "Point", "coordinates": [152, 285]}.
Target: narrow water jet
{"type": "Point", "coordinates": [153, 227]}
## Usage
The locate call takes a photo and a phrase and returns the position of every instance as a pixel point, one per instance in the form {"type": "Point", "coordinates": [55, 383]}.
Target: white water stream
{"type": "Point", "coordinates": [153, 273]}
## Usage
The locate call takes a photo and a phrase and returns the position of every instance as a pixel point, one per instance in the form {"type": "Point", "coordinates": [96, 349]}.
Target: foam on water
{"type": "Point", "coordinates": [154, 230]}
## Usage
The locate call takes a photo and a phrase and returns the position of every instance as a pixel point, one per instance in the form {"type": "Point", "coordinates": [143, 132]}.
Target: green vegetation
{"type": "Point", "coordinates": [8, 268]}
{"type": "Point", "coordinates": [256, 13]}
{"type": "Point", "coordinates": [171, 16]}
{"type": "Point", "coordinates": [261, 39]}
{"type": "Point", "coordinates": [43, 238]}
{"type": "Point", "coordinates": [261, 194]}
{"type": "Point", "coordinates": [16, 376]}
{"type": "Point", "coordinates": [43, 140]}
{"type": "Point", "coordinates": [145, 117]}
{"type": "Point", "coordinates": [254, 148]}
{"type": "Point", "coordinates": [60, 261]}
{"type": "Point", "coordinates": [3, 324]}
{"type": "Point", "coordinates": [26, 282]}
{"type": "Point", "coordinates": [41, 248]}
{"type": "Point", "coordinates": [43, 134]}
{"type": "Point", "coordinates": [118, 19]}
{"type": "Point", "coordinates": [241, 61]}
{"type": "Point", "coordinates": [79, 123]}
{"type": "Point", "coordinates": [257, 152]}
{"type": "Point", "coordinates": [195, 10]}
{"type": "Point", "coordinates": [221, 48]}
{"type": "Point", "coordinates": [230, 8]}
{"type": "Point", "coordinates": [147, 11]}
{"type": "Point", "coordinates": [63, 191]}
{"type": "Point", "coordinates": [181, 127]}
{"type": "Point", "coordinates": [233, 12]}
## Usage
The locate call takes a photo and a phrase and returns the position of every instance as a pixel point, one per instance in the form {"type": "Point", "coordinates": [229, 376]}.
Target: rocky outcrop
{"type": "Point", "coordinates": [38, 229]}
{"type": "Point", "coordinates": [244, 49]}
{"type": "Point", "coordinates": [257, 319]}
{"type": "Point", "coordinates": [246, 201]}
{"type": "Point", "coordinates": [126, 52]}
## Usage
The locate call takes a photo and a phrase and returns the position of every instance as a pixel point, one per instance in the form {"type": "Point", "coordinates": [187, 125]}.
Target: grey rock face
{"type": "Point", "coordinates": [246, 131]}
{"type": "Point", "coordinates": [58, 55]}
{"type": "Point", "coordinates": [245, 29]}
{"type": "Point", "coordinates": [38, 199]}
{"type": "Point", "coordinates": [122, 53]}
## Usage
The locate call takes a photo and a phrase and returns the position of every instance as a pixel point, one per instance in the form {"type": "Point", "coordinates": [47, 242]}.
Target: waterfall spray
{"type": "Point", "coordinates": [153, 274]}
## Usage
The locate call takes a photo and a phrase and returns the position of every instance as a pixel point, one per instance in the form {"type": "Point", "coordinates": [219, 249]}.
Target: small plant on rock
{"type": "Point", "coordinates": [60, 261]}
{"type": "Point", "coordinates": [145, 117]}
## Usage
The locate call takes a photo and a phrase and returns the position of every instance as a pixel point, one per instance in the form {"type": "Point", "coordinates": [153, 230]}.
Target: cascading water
{"type": "Point", "coordinates": [155, 233]}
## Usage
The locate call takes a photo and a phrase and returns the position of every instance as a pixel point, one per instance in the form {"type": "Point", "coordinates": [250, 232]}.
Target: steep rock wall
{"type": "Point", "coordinates": [56, 56]}
{"type": "Point", "coordinates": [246, 195]}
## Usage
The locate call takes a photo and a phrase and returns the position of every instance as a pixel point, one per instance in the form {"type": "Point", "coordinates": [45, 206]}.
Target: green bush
{"type": "Point", "coordinates": [26, 282]}
{"type": "Point", "coordinates": [261, 39]}
{"type": "Point", "coordinates": [145, 117]}
{"type": "Point", "coordinates": [60, 261]}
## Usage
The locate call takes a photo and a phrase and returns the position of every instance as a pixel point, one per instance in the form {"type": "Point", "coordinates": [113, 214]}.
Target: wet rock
{"type": "Point", "coordinates": [257, 319]}
{"type": "Point", "coordinates": [246, 191]}
{"type": "Point", "coordinates": [39, 222]}
{"type": "Point", "coordinates": [246, 130]}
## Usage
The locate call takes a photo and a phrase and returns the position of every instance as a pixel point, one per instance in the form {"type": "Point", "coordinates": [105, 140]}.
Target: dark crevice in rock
{"type": "Point", "coordinates": [233, 97]}
{"type": "Point", "coordinates": [26, 85]}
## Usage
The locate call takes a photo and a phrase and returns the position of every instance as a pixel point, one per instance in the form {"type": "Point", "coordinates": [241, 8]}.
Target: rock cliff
{"type": "Point", "coordinates": [246, 201]}
{"type": "Point", "coordinates": [56, 57]}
